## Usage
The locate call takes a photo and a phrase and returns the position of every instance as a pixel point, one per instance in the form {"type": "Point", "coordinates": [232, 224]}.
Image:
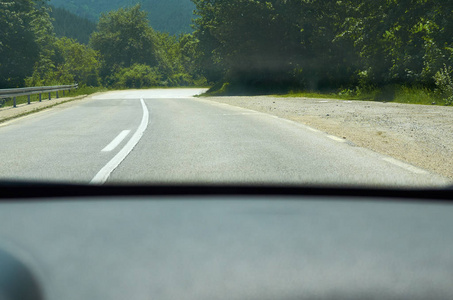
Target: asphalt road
{"type": "Point", "coordinates": [166, 135]}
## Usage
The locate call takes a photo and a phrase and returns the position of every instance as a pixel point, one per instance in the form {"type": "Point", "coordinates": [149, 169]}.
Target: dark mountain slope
{"type": "Point", "coordinates": [72, 26]}
{"type": "Point", "coordinates": [173, 16]}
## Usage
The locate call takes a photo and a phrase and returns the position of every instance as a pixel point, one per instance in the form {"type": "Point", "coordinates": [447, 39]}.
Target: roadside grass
{"type": "Point", "coordinates": [35, 98]}
{"type": "Point", "coordinates": [326, 96]}
{"type": "Point", "coordinates": [417, 96]}
{"type": "Point", "coordinates": [398, 94]}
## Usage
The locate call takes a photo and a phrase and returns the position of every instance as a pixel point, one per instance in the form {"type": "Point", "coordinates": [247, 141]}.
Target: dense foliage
{"type": "Point", "coordinates": [325, 45]}
{"type": "Point", "coordinates": [71, 62]}
{"type": "Point", "coordinates": [273, 44]}
{"type": "Point", "coordinates": [129, 46]}
{"type": "Point", "coordinates": [243, 46]}
{"type": "Point", "coordinates": [24, 32]}
{"type": "Point", "coordinates": [123, 52]}
{"type": "Point", "coordinates": [124, 39]}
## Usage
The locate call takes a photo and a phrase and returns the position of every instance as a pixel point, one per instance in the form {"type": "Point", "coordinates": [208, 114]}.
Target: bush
{"type": "Point", "coordinates": [444, 84]}
{"type": "Point", "coordinates": [137, 76]}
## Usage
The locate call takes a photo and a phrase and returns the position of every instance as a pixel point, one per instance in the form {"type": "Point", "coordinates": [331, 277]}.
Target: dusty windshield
{"type": "Point", "coordinates": [331, 93]}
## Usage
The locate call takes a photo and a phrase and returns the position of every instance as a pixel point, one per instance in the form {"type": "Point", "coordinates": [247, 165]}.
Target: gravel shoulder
{"type": "Point", "coordinates": [418, 134]}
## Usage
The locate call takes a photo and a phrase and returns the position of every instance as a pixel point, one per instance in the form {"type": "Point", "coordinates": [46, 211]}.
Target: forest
{"type": "Point", "coordinates": [124, 51]}
{"type": "Point", "coordinates": [352, 48]}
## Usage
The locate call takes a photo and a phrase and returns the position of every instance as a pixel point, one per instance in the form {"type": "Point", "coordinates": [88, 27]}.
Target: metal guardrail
{"type": "Point", "coordinates": [13, 93]}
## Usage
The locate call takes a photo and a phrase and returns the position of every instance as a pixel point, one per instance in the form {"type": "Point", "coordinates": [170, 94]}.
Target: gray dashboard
{"type": "Point", "coordinates": [225, 247]}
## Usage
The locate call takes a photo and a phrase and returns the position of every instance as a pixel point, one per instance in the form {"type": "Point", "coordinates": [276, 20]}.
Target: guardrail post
{"type": "Point", "coordinates": [14, 101]}
{"type": "Point", "coordinates": [50, 97]}
{"type": "Point", "coordinates": [28, 98]}
{"type": "Point", "coordinates": [58, 95]}
{"type": "Point", "coordinates": [40, 97]}
{"type": "Point", "coordinates": [63, 92]}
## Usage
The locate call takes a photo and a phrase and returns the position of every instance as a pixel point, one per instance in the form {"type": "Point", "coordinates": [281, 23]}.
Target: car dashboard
{"type": "Point", "coordinates": [192, 242]}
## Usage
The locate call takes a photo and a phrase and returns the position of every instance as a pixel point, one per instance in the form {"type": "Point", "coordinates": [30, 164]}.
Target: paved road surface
{"type": "Point", "coordinates": [169, 136]}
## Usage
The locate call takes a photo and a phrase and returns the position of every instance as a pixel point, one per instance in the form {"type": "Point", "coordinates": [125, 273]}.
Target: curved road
{"type": "Point", "coordinates": [166, 135]}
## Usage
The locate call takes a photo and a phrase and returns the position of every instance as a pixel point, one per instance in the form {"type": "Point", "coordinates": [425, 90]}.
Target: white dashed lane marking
{"type": "Point", "coordinates": [116, 141]}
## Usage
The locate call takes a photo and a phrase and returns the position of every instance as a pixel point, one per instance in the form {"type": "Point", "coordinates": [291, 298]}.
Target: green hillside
{"type": "Point", "coordinates": [67, 24]}
{"type": "Point", "coordinates": [173, 16]}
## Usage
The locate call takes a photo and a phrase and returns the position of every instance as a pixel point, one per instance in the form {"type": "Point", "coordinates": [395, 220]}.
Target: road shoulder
{"type": "Point", "coordinates": [11, 113]}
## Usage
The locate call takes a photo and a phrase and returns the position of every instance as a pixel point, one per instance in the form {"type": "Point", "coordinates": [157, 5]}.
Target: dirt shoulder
{"type": "Point", "coordinates": [418, 134]}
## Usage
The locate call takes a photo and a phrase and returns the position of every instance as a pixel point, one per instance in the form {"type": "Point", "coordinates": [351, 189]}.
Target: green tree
{"type": "Point", "coordinates": [80, 61]}
{"type": "Point", "coordinates": [168, 56]}
{"type": "Point", "coordinates": [71, 62]}
{"type": "Point", "coordinates": [123, 39]}
{"type": "Point", "coordinates": [46, 43]}
{"type": "Point", "coordinates": [23, 33]}
{"type": "Point", "coordinates": [176, 60]}
{"type": "Point", "coordinates": [189, 58]}
{"type": "Point", "coordinates": [400, 42]}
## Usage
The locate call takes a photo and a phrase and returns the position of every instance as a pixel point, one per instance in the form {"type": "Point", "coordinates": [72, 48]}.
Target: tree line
{"type": "Point", "coordinates": [123, 52]}
{"type": "Point", "coordinates": [242, 46]}
{"type": "Point", "coordinates": [325, 45]}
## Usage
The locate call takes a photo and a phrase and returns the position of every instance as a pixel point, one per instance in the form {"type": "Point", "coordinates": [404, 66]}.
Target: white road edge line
{"type": "Point", "coordinates": [116, 141]}
{"type": "Point", "coordinates": [241, 114]}
{"type": "Point", "coordinates": [405, 166]}
{"type": "Point", "coordinates": [335, 138]}
{"type": "Point", "coordinates": [104, 174]}
{"type": "Point", "coordinates": [312, 129]}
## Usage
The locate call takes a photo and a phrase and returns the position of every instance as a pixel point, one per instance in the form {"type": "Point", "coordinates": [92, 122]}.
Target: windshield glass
{"type": "Point", "coordinates": [311, 93]}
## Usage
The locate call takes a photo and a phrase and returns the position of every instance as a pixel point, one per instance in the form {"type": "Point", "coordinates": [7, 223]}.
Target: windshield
{"type": "Point", "coordinates": [279, 92]}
